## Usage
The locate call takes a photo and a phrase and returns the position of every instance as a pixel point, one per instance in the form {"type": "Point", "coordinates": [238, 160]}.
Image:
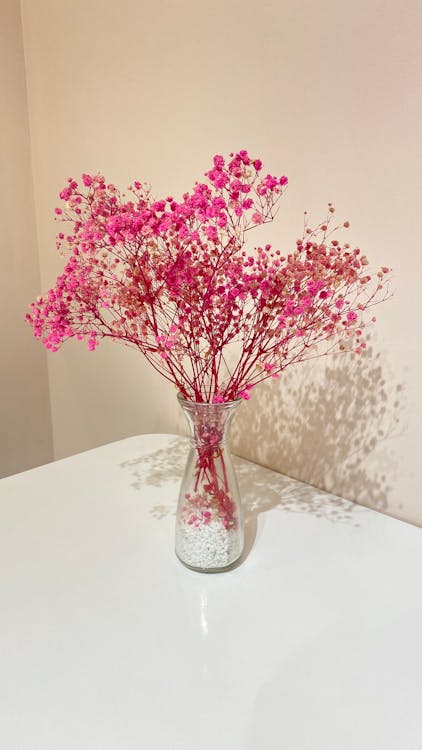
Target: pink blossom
{"type": "Point", "coordinates": [245, 395]}
{"type": "Point", "coordinates": [219, 162]}
{"type": "Point", "coordinates": [173, 279]}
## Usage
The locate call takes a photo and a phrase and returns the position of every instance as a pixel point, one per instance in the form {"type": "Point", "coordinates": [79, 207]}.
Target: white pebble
{"type": "Point", "coordinates": [207, 546]}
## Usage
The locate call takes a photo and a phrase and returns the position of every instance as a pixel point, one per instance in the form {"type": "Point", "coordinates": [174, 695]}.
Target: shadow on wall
{"type": "Point", "coordinates": [328, 426]}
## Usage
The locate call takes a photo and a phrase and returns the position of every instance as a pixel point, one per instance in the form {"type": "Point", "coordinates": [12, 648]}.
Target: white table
{"type": "Point", "coordinates": [108, 643]}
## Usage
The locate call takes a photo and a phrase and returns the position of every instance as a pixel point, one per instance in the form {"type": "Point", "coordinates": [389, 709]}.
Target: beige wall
{"type": "Point", "coordinates": [25, 422]}
{"type": "Point", "coordinates": [327, 92]}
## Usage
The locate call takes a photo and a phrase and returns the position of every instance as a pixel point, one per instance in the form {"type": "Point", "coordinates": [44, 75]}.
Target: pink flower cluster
{"type": "Point", "coordinates": [173, 279]}
{"type": "Point", "coordinates": [213, 503]}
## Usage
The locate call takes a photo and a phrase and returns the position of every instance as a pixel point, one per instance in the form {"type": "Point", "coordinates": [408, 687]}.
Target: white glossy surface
{"type": "Point", "coordinates": [108, 643]}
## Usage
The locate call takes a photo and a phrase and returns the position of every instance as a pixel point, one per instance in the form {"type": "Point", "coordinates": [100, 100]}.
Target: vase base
{"type": "Point", "coordinates": [222, 569]}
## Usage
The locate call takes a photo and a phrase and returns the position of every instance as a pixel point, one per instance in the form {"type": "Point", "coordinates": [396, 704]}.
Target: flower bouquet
{"type": "Point", "coordinates": [174, 280]}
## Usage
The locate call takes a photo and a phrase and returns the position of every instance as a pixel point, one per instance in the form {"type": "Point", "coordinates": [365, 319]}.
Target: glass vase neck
{"type": "Point", "coordinates": [208, 422]}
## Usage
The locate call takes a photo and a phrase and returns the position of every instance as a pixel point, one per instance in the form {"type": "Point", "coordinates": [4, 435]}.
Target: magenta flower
{"type": "Point", "coordinates": [173, 279]}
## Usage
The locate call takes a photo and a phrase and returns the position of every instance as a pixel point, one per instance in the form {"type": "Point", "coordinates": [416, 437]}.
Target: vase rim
{"type": "Point", "coordinates": [185, 401]}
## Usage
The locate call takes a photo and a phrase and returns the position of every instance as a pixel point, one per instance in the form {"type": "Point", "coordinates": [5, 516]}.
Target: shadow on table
{"type": "Point", "coordinates": [261, 489]}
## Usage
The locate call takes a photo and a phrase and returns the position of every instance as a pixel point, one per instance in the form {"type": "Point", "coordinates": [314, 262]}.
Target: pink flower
{"type": "Point", "coordinates": [244, 394]}
{"type": "Point", "coordinates": [244, 157]}
{"type": "Point", "coordinates": [211, 232]}
{"type": "Point", "coordinates": [65, 194]}
{"type": "Point", "coordinates": [219, 162]}
{"type": "Point", "coordinates": [174, 279]}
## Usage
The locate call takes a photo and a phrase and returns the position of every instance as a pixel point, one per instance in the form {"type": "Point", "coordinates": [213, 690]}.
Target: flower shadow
{"type": "Point", "coordinates": [161, 466]}
{"type": "Point", "coordinates": [330, 426]}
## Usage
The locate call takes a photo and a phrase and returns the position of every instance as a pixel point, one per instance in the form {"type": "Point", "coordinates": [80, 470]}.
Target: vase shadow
{"type": "Point", "coordinates": [261, 489]}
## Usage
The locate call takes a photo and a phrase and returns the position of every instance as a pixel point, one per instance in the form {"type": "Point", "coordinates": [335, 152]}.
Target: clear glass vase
{"type": "Point", "coordinates": [209, 524]}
